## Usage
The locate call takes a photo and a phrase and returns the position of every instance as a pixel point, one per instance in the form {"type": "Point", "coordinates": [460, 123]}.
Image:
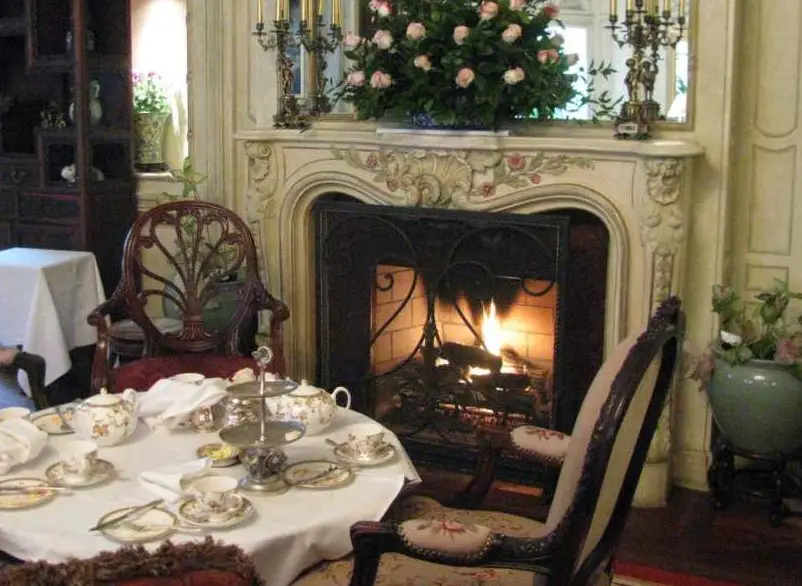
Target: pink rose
{"type": "Point", "coordinates": [516, 5]}
{"type": "Point", "coordinates": [352, 41]}
{"type": "Point", "coordinates": [383, 9]}
{"type": "Point", "coordinates": [548, 56]}
{"type": "Point", "coordinates": [356, 78]}
{"type": "Point", "coordinates": [460, 34]}
{"type": "Point", "coordinates": [551, 11]}
{"type": "Point", "coordinates": [557, 41]}
{"type": "Point", "coordinates": [512, 33]}
{"type": "Point", "coordinates": [373, 5]}
{"type": "Point", "coordinates": [513, 76]}
{"type": "Point", "coordinates": [488, 10]}
{"type": "Point", "coordinates": [416, 31]}
{"type": "Point", "coordinates": [516, 162]}
{"type": "Point", "coordinates": [383, 39]}
{"type": "Point", "coordinates": [423, 62]}
{"type": "Point", "coordinates": [380, 80]}
{"type": "Point", "coordinates": [465, 77]}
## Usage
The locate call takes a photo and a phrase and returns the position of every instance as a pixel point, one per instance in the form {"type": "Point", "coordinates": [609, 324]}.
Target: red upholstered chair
{"type": "Point", "coordinates": [202, 563]}
{"type": "Point", "coordinates": [192, 260]}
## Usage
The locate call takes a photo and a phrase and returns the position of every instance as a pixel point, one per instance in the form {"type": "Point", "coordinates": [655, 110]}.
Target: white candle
{"type": "Point", "coordinates": [613, 8]}
{"type": "Point", "coordinates": [259, 18]}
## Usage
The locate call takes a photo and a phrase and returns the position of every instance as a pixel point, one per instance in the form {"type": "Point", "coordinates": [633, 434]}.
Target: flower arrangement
{"type": "Point", "coordinates": [752, 331]}
{"type": "Point", "coordinates": [149, 93]}
{"type": "Point", "coordinates": [460, 62]}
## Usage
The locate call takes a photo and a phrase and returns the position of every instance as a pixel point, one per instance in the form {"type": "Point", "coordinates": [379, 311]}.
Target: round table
{"type": "Point", "coordinates": [289, 533]}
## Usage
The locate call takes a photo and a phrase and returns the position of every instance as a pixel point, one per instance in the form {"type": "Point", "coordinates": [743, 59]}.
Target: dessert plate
{"type": "Point", "coordinates": [102, 471]}
{"type": "Point", "coordinates": [152, 524]}
{"type": "Point", "coordinates": [48, 420]}
{"type": "Point", "coordinates": [191, 511]}
{"type": "Point", "coordinates": [222, 455]}
{"type": "Point", "coordinates": [34, 492]}
{"type": "Point", "coordinates": [383, 455]}
{"type": "Point", "coordinates": [319, 474]}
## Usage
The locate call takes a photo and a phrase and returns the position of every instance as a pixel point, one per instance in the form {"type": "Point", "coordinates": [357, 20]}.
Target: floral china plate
{"type": "Point", "coordinates": [151, 525]}
{"type": "Point", "coordinates": [383, 455]}
{"type": "Point", "coordinates": [222, 455]}
{"type": "Point", "coordinates": [102, 471]}
{"type": "Point", "coordinates": [48, 420]}
{"type": "Point", "coordinates": [192, 511]}
{"type": "Point", "coordinates": [319, 474]}
{"type": "Point", "coordinates": [34, 492]}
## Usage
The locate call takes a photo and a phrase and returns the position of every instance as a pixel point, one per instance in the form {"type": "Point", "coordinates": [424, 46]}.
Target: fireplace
{"type": "Point", "coordinates": [441, 321]}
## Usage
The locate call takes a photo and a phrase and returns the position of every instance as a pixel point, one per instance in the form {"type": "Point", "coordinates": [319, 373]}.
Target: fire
{"type": "Point", "coordinates": [492, 335]}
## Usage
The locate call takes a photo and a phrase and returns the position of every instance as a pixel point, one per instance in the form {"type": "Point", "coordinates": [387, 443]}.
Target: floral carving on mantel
{"type": "Point", "coordinates": [419, 177]}
{"type": "Point", "coordinates": [662, 221]}
{"type": "Point", "coordinates": [262, 180]}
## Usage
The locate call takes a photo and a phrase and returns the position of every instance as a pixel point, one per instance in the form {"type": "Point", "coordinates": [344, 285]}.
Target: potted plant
{"type": "Point", "coordinates": [753, 371]}
{"type": "Point", "coordinates": [222, 304]}
{"type": "Point", "coordinates": [151, 113]}
{"type": "Point", "coordinates": [461, 63]}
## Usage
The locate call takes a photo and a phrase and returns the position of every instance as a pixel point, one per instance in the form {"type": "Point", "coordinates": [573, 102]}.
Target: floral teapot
{"type": "Point", "coordinates": [106, 419]}
{"type": "Point", "coordinates": [310, 405]}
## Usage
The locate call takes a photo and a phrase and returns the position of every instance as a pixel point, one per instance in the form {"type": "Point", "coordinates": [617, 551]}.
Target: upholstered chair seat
{"type": "Point", "coordinates": [143, 373]}
{"type": "Point", "coordinates": [540, 443]}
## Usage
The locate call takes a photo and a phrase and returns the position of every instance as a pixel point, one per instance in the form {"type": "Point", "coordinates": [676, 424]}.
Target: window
{"type": "Point", "coordinates": [576, 41]}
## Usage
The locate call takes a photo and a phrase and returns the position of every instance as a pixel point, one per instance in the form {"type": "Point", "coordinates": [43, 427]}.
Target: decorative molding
{"type": "Point", "coordinates": [420, 177]}
{"type": "Point", "coordinates": [262, 181]}
{"type": "Point", "coordinates": [662, 222]}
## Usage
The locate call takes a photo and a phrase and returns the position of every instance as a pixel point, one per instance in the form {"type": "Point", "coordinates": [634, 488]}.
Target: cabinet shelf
{"type": "Point", "coordinates": [96, 135]}
{"type": "Point", "coordinates": [95, 63]}
{"type": "Point", "coordinates": [12, 26]}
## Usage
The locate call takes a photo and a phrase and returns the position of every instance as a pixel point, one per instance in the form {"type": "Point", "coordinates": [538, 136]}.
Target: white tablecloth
{"type": "Point", "coordinates": [45, 298]}
{"type": "Point", "coordinates": [289, 533]}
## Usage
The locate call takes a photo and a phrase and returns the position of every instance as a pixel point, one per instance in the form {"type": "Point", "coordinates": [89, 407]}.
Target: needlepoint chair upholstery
{"type": "Point", "coordinates": [427, 543]}
{"type": "Point", "coordinates": [186, 259]}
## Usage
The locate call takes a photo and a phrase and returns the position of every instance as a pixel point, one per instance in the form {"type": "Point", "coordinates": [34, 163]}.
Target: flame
{"type": "Point", "coordinates": [492, 335]}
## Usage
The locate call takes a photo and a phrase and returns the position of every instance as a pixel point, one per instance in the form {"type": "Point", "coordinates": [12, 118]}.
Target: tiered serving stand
{"type": "Point", "coordinates": [262, 441]}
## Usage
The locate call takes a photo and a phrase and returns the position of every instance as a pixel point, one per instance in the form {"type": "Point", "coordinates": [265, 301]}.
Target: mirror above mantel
{"type": "Point", "coordinates": [586, 30]}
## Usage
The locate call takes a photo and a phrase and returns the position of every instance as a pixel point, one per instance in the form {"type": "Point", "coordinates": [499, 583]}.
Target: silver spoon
{"type": "Point", "coordinates": [64, 425]}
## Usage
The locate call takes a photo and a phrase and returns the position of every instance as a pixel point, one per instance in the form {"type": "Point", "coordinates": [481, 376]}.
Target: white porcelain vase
{"type": "Point", "coordinates": [315, 408]}
{"type": "Point", "coordinates": [106, 419]}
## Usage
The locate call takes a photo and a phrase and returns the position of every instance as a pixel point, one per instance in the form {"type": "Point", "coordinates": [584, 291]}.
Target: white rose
{"type": "Point", "coordinates": [383, 10]}
{"type": "Point", "coordinates": [383, 39]}
{"type": "Point", "coordinates": [352, 41]}
{"type": "Point", "coordinates": [356, 78]}
{"type": "Point", "coordinates": [380, 80]}
{"type": "Point", "coordinates": [460, 34]}
{"type": "Point", "coordinates": [513, 76]}
{"type": "Point", "coordinates": [423, 62]}
{"type": "Point", "coordinates": [416, 31]}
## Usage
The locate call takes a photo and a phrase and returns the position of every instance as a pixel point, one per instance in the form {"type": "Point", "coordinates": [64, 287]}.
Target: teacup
{"type": "Point", "coordinates": [194, 378]}
{"type": "Point", "coordinates": [78, 458]}
{"type": "Point", "coordinates": [216, 494]}
{"type": "Point", "coordinates": [14, 413]}
{"type": "Point", "coordinates": [365, 442]}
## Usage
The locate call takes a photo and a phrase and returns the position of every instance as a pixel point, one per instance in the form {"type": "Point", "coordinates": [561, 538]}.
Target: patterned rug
{"type": "Point", "coordinates": [628, 574]}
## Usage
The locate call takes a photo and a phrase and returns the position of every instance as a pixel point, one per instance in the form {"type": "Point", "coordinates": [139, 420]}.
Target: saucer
{"type": "Point", "coordinates": [152, 524]}
{"type": "Point", "coordinates": [48, 420]}
{"type": "Point", "coordinates": [381, 456]}
{"type": "Point", "coordinates": [191, 511]}
{"type": "Point", "coordinates": [102, 471]}
{"type": "Point", "coordinates": [320, 474]}
{"type": "Point", "coordinates": [24, 500]}
{"type": "Point", "coordinates": [222, 455]}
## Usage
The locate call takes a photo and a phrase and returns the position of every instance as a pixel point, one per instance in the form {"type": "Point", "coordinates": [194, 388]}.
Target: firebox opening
{"type": "Point", "coordinates": [442, 321]}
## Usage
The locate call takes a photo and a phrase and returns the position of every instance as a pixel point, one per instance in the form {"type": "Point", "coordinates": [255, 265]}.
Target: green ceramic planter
{"type": "Point", "coordinates": [757, 406]}
{"type": "Point", "coordinates": [149, 132]}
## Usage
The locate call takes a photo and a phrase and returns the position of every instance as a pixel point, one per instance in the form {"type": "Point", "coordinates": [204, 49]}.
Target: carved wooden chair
{"type": "Point", "coordinates": [184, 259]}
{"type": "Point", "coordinates": [428, 543]}
{"type": "Point", "coordinates": [12, 360]}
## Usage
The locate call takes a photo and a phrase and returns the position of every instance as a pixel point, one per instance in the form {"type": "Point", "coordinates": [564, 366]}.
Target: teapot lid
{"type": "Point", "coordinates": [103, 399]}
{"type": "Point", "coordinates": [305, 389]}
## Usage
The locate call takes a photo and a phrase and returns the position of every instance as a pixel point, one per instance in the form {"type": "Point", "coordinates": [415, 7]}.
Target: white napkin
{"type": "Point", "coordinates": [166, 481]}
{"type": "Point", "coordinates": [20, 441]}
{"type": "Point", "coordinates": [170, 402]}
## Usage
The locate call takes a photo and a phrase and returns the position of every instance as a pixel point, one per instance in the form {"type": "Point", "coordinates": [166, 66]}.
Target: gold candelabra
{"type": "Point", "coordinates": [311, 35]}
{"type": "Point", "coordinates": [647, 27]}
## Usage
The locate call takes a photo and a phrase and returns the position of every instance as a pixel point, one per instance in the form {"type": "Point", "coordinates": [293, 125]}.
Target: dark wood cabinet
{"type": "Point", "coordinates": [66, 161]}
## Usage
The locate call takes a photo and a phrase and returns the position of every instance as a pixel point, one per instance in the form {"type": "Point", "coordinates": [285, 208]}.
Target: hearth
{"type": "Point", "coordinates": [442, 321]}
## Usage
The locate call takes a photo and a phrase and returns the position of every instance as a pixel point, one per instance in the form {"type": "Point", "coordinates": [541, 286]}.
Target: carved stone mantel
{"type": "Point", "coordinates": [638, 189]}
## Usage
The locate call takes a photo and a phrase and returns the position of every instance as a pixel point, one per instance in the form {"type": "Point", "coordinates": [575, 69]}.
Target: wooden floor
{"type": "Point", "coordinates": [688, 537]}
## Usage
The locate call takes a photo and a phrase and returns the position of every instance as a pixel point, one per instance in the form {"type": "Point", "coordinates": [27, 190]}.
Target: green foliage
{"type": "Point", "coordinates": [488, 100]}
{"type": "Point", "coordinates": [149, 93]}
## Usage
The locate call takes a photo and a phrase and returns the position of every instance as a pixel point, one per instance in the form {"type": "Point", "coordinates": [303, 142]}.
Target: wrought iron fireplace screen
{"type": "Point", "coordinates": [441, 389]}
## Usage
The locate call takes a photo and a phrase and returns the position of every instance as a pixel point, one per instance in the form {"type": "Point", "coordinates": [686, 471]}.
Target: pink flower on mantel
{"type": "Point", "coordinates": [351, 41]}
{"type": "Point", "coordinates": [383, 39]}
{"type": "Point", "coordinates": [356, 78]}
{"type": "Point", "coordinates": [416, 31]}
{"type": "Point", "coordinates": [488, 10]}
{"type": "Point", "coordinates": [380, 80]}
{"type": "Point", "coordinates": [516, 162]}
{"type": "Point", "coordinates": [465, 77]}
{"type": "Point", "coordinates": [372, 161]}
{"type": "Point", "coordinates": [512, 33]}
{"type": "Point", "coordinates": [548, 56]}
{"type": "Point", "coordinates": [551, 11]}
{"type": "Point", "coordinates": [460, 34]}
{"type": "Point", "coordinates": [517, 5]}
{"type": "Point", "coordinates": [373, 5]}
{"type": "Point", "coordinates": [384, 9]}
{"type": "Point", "coordinates": [423, 62]}
{"type": "Point", "coordinates": [535, 179]}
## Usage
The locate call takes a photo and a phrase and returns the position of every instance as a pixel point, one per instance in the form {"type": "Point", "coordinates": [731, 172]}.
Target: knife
{"type": "Point", "coordinates": [127, 515]}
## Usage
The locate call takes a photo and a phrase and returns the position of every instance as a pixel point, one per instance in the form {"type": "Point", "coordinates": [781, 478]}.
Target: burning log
{"type": "Point", "coordinates": [463, 356]}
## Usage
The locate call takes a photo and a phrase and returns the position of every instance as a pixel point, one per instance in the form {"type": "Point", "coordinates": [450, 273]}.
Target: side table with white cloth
{"type": "Point", "coordinates": [45, 298]}
{"type": "Point", "coordinates": [289, 533]}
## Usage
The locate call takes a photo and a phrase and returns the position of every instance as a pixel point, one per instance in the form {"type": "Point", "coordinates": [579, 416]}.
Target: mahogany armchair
{"type": "Point", "coordinates": [184, 258]}
{"type": "Point", "coordinates": [432, 544]}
